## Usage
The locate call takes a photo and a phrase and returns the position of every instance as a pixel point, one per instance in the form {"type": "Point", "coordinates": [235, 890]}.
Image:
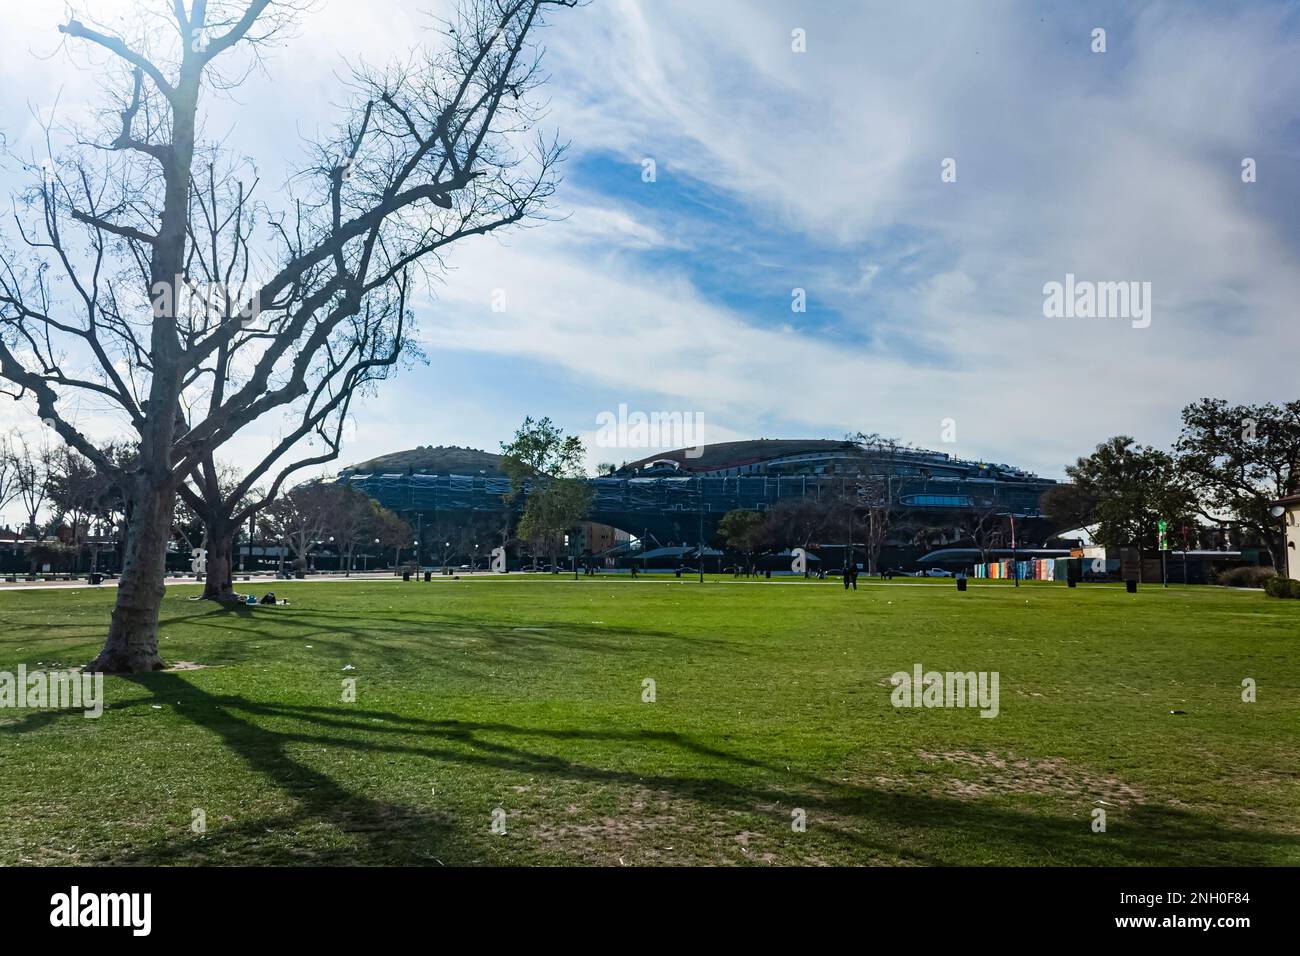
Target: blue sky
{"type": "Point", "coordinates": [820, 170]}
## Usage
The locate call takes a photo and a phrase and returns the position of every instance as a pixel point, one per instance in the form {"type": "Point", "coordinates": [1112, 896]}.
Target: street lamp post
{"type": "Point", "coordinates": [1279, 511]}
{"type": "Point", "coordinates": [1015, 561]}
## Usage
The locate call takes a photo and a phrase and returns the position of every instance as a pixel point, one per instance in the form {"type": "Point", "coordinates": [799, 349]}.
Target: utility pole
{"type": "Point", "coordinates": [1184, 554]}
{"type": "Point", "coordinates": [699, 479]}
{"type": "Point", "coordinates": [1162, 535]}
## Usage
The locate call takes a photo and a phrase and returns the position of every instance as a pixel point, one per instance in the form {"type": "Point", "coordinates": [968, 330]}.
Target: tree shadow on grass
{"type": "Point", "coordinates": [398, 639]}
{"type": "Point", "coordinates": [860, 823]}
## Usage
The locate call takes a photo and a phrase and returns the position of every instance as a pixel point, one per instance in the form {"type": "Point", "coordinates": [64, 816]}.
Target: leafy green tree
{"type": "Point", "coordinates": [743, 531]}
{"type": "Point", "coordinates": [1069, 506]}
{"type": "Point", "coordinates": [1134, 487]}
{"type": "Point", "coordinates": [797, 523]}
{"type": "Point", "coordinates": [1239, 459]}
{"type": "Point", "coordinates": [546, 467]}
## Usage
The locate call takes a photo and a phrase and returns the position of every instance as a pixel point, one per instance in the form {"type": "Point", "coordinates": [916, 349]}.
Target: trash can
{"type": "Point", "coordinates": [768, 575]}
{"type": "Point", "coordinates": [1071, 583]}
{"type": "Point", "coordinates": [961, 584]}
{"type": "Point", "coordinates": [96, 579]}
{"type": "Point", "coordinates": [406, 575]}
{"type": "Point", "coordinates": [1131, 587]}
{"type": "Point", "coordinates": [428, 575]}
{"type": "Point", "coordinates": [679, 572]}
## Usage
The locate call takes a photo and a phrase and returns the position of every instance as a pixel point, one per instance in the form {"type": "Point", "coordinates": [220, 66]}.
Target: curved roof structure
{"type": "Point", "coordinates": [822, 458]}
{"type": "Point", "coordinates": [732, 454]}
{"type": "Point", "coordinates": [430, 460]}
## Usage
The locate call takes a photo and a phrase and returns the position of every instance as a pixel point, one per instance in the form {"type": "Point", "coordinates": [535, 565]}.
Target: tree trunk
{"type": "Point", "coordinates": [217, 585]}
{"type": "Point", "coordinates": [132, 645]}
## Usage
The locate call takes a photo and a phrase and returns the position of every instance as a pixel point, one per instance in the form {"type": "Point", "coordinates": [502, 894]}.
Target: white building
{"type": "Point", "coordinates": [1290, 516]}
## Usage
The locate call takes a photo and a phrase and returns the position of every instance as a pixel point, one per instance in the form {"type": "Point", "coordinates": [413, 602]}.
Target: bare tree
{"type": "Point", "coordinates": [32, 467]}
{"type": "Point", "coordinates": [8, 472]}
{"type": "Point", "coordinates": [876, 491]}
{"type": "Point", "coordinates": [193, 308]}
{"type": "Point", "coordinates": [351, 520]}
{"type": "Point", "coordinates": [301, 516]}
{"type": "Point", "coordinates": [984, 527]}
{"type": "Point", "coordinates": [77, 495]}
{"type": "Point", "coordinates": [225, 503]}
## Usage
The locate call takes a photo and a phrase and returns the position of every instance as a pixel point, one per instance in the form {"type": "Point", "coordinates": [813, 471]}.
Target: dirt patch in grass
{"type": "Point", "coordinates": [655, 827]}
{"type": "Point", "coordinates": [1001, 774]}
{"type": "Point", "coordinates": [646, 829]}
{"type": "Point", "coordinates": [652, 827]}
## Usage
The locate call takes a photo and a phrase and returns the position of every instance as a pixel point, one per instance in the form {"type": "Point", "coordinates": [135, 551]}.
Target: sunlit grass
{"type": "Point", "coordinates": [771, 698]}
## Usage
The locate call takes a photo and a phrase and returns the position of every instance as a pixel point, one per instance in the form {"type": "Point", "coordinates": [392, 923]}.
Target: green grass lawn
{"type": "Point", "coordinates": [526, 695]}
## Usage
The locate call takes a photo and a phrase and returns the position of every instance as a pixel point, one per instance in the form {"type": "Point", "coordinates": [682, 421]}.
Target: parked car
{"type": "Point", "coordinates": [938, 573]}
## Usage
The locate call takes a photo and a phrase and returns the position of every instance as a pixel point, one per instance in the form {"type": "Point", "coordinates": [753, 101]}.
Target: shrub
{"type": "Point", "coordinates": [1248, 577]}
{"type": "Point", "coordinates": [1294, 588]}
{"type": "Point", "coordinates": [1281, 588]}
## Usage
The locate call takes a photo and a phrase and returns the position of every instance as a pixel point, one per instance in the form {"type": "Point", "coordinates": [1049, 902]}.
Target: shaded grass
{"type": "Point", "coordinates": [526, 695]}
